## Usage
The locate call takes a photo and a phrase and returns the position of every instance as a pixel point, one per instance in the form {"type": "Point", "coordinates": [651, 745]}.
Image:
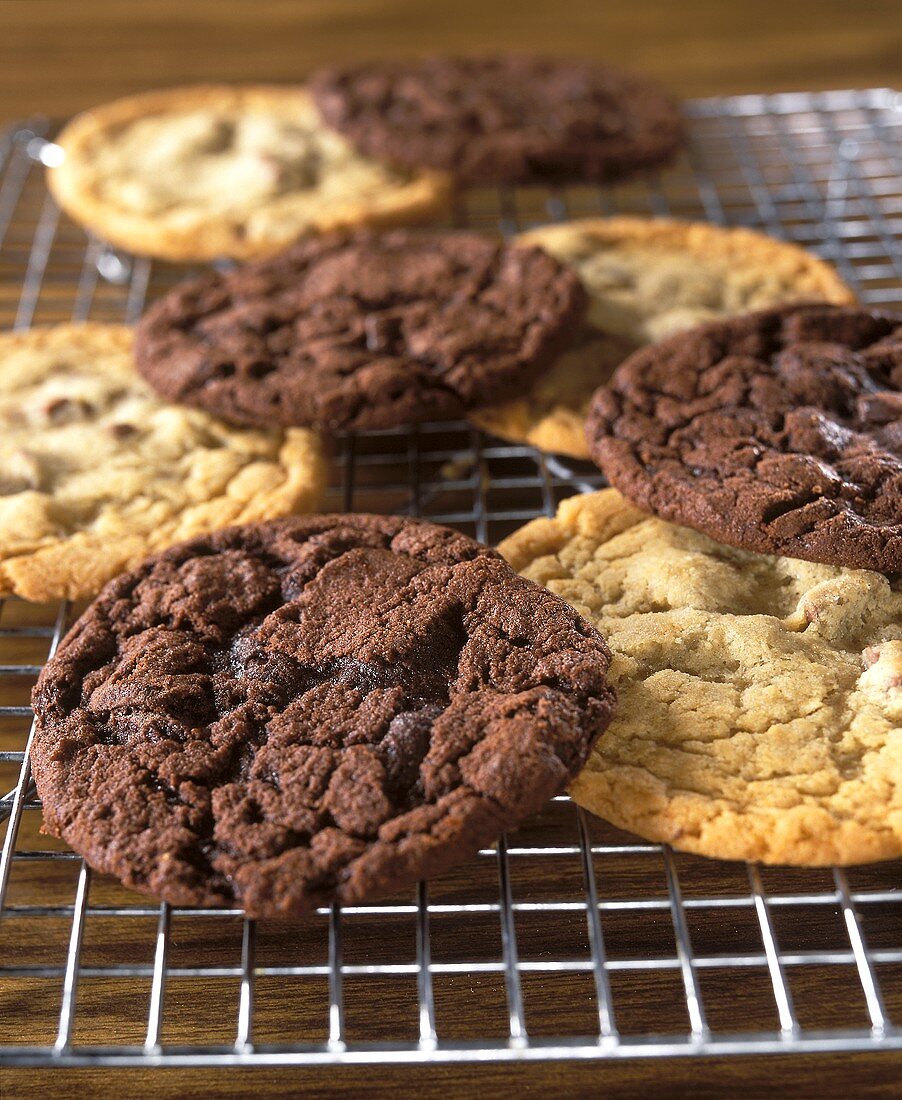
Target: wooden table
{"type": "Point", "coordinates": [60, 56]}
{"type": "Point", "coordinates": [57, 57]}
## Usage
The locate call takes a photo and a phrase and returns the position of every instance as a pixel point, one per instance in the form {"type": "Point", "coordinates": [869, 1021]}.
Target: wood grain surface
{"type": "Point", "coordinates": [59, 56]}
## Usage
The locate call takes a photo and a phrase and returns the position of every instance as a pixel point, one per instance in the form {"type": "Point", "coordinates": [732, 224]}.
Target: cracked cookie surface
{"type": "Point", "coordinates": [507, 119]}
{"type": "Point", "coordinates": [759, 711]}
{"type": "Point", "coordinates": [778, 431]}
{"type": "Point", "coordinates": [210, 171]}
{"type": "Point", "coordinates": [281, 715]}
{"type": "Point", "coordinates": [96, 472]}
{"type": "Point", "coordinates": [647, 278]}
{"type": "Point", "coordinates": [368, 330]}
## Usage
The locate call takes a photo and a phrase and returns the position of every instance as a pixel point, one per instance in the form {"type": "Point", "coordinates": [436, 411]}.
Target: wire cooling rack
{"type": "Point", "coordinates": [567, 940]}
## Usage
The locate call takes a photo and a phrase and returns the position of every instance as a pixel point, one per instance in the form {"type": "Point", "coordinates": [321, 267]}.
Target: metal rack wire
{"type": "Point", "coordinates": [567, 940]}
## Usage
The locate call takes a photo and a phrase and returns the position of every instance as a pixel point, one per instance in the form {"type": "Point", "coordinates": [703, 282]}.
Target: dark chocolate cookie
{"type": "Point", "coordinates": [362, 331]}
{"type": "Point", "coordinates": [281, 715]}
{"type": "Point", "coordinates": [778, 431]}
{"type": "Point", "coordinates": [507, 119]}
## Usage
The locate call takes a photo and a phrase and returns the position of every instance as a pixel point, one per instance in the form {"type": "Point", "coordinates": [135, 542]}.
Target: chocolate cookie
{"type": "Point", "coordinates": [778, 431]}
{"type": "Point", "coordinates": [362, 331]}
{"type": "Point", "coordinates": [507, 119]}
{"type": "Point", "coordinates": [281, 715]}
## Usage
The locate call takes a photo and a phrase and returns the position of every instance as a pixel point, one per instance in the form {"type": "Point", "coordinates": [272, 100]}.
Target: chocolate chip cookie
{"type": "Point", "coordinates": [203, 172]}
{"type": "Point", "coordinates": [280, 715]}
{"type": "Point", "coordinates": [96, 472]}
{"type": "Point", "coordinates": [759, 698]}
{"type": "Point", "coordinates": [778, 431]}
{"type": "Point", "coordinates": [508, 119]}
{"type": "Point", "coordinates": [362, 331]}
{"type": "Point", "coordinates": [647, 278]}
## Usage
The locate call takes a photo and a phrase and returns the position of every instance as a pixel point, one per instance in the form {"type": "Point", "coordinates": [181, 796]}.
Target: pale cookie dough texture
{"type": "Point", "coordinates": [217, 171]}
{"type": "Point", "coordinates": [759, 707]}
{"type": "Point", "coordinates": [96, 471]}
{"type": "Point", "coordinates": [647, 278]}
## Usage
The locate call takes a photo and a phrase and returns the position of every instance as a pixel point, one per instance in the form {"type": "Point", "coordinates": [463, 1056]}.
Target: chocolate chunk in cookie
{"type": "Point", "coordinates": [778, 431]}
{"type": "Point", "coordinates": [281, 715]}
{"type": "Point", "coordinates": [362, 331]}
{"type": "Point", "coordinates": [508, 119]}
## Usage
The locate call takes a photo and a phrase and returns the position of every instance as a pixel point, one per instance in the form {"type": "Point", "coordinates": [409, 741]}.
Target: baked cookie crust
{"type": "Point", "coordinates": [96, 471]}
{"type": "Point", "coordinates": [199, 173]}
{"type": "Point", "coordinates": [647, 278]}
{"type": "Point", "coordinates": [759, 707]}
{"type": "Point", "coordinates": [317, 709]}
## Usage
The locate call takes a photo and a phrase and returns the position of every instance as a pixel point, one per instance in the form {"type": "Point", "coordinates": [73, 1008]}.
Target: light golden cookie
{"type": "Point", "coordinates": [759, 707]}
{"type": "Point", "coordinates": [209, 171]}
{"type": "Point", "coordinates": [96, 471]}
{"type": "Point", "coordinates": [647, 278]}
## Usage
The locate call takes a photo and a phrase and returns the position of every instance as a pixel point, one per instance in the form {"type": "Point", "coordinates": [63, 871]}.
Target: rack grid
{"type": "Point", "coordinates": [568, 939]}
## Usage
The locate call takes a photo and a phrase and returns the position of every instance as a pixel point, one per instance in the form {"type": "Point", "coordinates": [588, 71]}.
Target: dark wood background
{"type": "Point", "coordinates": [59, 56]}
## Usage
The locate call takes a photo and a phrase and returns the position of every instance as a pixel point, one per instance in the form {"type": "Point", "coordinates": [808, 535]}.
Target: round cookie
{"type": "Point", "coordinates": [283, 715]}
{"type": "Point", "coordinates": [96, 471]}
{"type": "Point", "coordinates": [506, 119]}
{"type": "Point", "coordinates": [778, 431]}
{"type": "Point", "coordinates": [647, 278]}
{"type": "Point", "coordinates": [362, 331]}
{"type": "Point", "coordinates": [212, 171]}
{"type": "Point", "coordinates": [759, 712]}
